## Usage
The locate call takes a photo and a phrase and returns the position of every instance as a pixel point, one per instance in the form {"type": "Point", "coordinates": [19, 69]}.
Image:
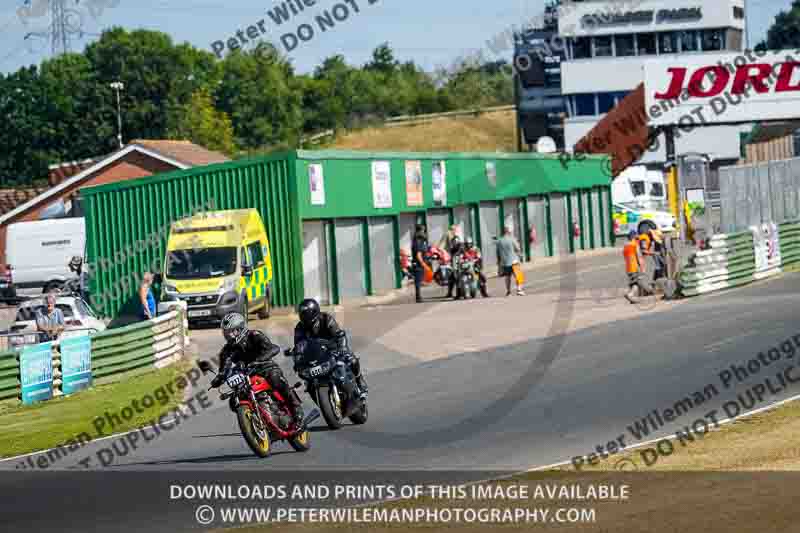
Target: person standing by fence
{"type": "Point", "coordinates": [146, 298]}
{"type": "Point", "coordinates": [418, 250]}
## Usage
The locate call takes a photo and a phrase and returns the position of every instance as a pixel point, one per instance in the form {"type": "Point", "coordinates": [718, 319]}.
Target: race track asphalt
{"type": "Point", "coordinates": [510, 408]}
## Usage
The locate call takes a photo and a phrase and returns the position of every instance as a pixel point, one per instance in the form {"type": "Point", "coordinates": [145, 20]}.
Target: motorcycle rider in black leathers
{"type": "Point", "coordinates": [254, 348]}
{"type": "Point", "coordinates": [315, 324]}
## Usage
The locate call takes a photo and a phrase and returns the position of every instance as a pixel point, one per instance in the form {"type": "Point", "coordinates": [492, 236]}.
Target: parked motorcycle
{"type": "Point", "coordinates": [263, 414]}
{"type": "Point", "coordinates": [467, 280]}
{"type": "Point", "coordinates": [439, 260]}
{"type": "Point", "coordinates": [330, 382]}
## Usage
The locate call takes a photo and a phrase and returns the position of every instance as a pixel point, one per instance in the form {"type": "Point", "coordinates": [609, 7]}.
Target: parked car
{"type": "Point", "coordinates": [78, 316]}
{"type": "Point", "coordinates": [38, 253]}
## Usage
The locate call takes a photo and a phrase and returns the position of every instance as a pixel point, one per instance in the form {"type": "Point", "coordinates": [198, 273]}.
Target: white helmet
{"type": "Point", "coordinates": [234, 328]}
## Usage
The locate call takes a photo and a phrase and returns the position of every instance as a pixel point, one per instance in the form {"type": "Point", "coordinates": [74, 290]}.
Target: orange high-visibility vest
{"type": "Point", "coordinates": [631, 257]}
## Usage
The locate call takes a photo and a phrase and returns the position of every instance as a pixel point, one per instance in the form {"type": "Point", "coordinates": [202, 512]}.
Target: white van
{"type": "Point", "coordinates": [38, 252]}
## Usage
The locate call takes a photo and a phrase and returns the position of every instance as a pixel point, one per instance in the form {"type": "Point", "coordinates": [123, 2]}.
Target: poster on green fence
{"type": "Point", "coordinates": [36, 372]}
{"type": "Point", "coordinates": [76, 363]}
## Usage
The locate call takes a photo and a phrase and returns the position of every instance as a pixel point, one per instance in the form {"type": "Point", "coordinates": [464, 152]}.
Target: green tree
{"type": "Point", "coordinates": [200, 122]}
{"type": "Point", "coordinates": [784, 33]}
{"type": "Point", "coordinates": [262, 96]}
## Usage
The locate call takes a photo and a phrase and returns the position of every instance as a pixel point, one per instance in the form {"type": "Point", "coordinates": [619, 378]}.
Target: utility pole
{"type": "Point", "coordinates": [59, 28]}
{"type": "Point", "coordinates": [118, 86]}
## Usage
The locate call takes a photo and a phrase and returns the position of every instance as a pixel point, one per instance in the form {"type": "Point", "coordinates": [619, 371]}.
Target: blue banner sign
{"type": "Point", "coordinates": [76, 363]}
{"type": "Point", "coordinates": [36, 372]}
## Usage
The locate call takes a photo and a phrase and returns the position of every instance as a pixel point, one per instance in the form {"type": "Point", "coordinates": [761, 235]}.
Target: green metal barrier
{"type": "Point", "coordinates": [115, 353]}
{"type": "Point", "coordinates": [9, 375]}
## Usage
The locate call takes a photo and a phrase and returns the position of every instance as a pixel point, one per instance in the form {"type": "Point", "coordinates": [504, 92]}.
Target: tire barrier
{"type": "Point", "coordinates": [790, 243]}
{"type": "Point", "coordinates": [740, 258]}
{"type": "Point", "coordinates": [114, 353]}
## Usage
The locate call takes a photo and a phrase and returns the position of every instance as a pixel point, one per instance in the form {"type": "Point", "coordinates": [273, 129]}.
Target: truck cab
{"type": "Point", "coordinates": [640, 201]}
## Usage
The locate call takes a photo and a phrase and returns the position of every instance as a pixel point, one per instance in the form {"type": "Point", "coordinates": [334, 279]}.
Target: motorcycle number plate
{"type": "Point", "coordinates": [316, 371]}
{"type": "Point", "coordinates": [235, 380]}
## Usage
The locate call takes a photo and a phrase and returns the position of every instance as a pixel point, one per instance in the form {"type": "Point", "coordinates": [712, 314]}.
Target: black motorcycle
{"type": "Point", "coordinates": [330, 382]}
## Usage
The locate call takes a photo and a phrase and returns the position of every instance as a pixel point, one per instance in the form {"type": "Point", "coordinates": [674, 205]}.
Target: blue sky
{"type": "Point", "coordinates": [431, 32]}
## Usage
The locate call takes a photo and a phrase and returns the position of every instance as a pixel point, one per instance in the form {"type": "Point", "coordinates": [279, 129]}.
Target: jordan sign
{"type": "Point", "coordinates": [728, 89]}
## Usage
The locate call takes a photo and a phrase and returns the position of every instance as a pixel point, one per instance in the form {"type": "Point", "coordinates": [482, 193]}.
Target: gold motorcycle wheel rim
{"type": "Point", "coordinates": [263, 439]}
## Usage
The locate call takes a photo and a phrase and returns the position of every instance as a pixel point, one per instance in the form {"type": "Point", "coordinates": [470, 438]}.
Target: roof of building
{"type": "Point", "coordinates": [184, 151]}
{"type": "Point", "coordinates": [179, 154]}
{"type": "Point", "coordinates": [11, 198]}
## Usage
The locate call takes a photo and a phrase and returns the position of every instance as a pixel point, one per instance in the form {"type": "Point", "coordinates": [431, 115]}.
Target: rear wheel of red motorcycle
{"type": "Point", "coordinates": [301, 442]}
{"type": "Point", "coordinates": [256, 437]}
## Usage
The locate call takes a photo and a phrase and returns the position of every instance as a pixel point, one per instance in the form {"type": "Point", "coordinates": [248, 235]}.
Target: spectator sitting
{"type": "Point", "coordinates": [51, 322]}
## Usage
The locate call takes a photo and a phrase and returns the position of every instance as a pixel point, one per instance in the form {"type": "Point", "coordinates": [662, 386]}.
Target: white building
{"type": "Point", "coordinates": [607, 43]}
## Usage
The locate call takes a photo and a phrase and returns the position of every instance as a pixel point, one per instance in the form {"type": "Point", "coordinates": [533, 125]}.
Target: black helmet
{"type": "Point", "coordinates": [309, 312]}
{"type": "Point", "coordinates": [234, 328]}
{"type": "Point", "coordinates": [75, 263]}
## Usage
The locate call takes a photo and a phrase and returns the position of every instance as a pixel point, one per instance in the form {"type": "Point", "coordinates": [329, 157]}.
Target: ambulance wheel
{"type": "Point", "coordinates": [264, 312]}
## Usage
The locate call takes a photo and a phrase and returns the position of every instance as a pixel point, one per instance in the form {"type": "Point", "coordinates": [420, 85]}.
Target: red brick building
{"type": "Point", "coordinates": [138, 159]}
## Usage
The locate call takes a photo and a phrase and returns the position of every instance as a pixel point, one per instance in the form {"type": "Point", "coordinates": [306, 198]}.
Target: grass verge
{"type": "Point", "coordinates": [29, 428]}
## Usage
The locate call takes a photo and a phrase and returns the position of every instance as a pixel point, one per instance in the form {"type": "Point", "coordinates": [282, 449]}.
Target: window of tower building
{"type": "Point", "coordinates": [602, 46]}
{"type": "Point", "coordinates": [646, 43]}
{"type": "Point", "coordinates": [584, 105]}
{"type": "Point", "coordinates": [689, 41]}
{"type": "Point", "coordinates": [713, 40]}
{"type": "Point", "coordinates": [620, 96]}
{"type": "Point", "coordinates": [625, 45]}
{"type": "Point", "coordinates": [582, 48]}
{"type": "Point", "coordinates": [605, 102]}
{"type": "Point", "coordinates": [667, 43]}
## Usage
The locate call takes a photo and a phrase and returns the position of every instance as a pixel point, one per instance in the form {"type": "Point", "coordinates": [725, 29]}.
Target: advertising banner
{"type": "Point", "coordinates": [766, 244]}
{"type": "Point", "coordinates": [751, 86]}
{"type": "Point", "coordinates": [491, 174]}
{"type": "Point", "coordinates": [439, 175]}
{"type": "Point", "coordinates": [76, 363]}
{"type": "Point", "coordinates": [316, 184]}
{"type": "Point", "coordinates": [36, 372]}
{"type": "Point", "coordinates": [414, 183]}
{"type": "Point", "coordinates": [381, 184]}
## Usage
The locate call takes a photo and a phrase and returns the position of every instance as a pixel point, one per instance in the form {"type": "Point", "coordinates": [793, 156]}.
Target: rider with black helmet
{"type": "Point", "coordinates": [314, 324]}
{"type": "Point", "coordinates": [254, 348]}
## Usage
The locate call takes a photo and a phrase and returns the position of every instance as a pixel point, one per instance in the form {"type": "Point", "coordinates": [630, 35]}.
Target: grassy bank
{"type": "Point", "coordinates": [28, 428]}
{"type": "Point", "coordinates": [485, 133]}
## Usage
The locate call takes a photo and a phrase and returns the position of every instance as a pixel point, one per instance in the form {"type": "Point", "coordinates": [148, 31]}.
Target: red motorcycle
{"type": "Point", "coordinates": [439, 260]}
{"type": "Point", "coordinates": [263, 414]}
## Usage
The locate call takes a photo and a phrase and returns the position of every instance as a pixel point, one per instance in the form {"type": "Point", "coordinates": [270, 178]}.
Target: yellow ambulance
{"type": "Point", "coordinates": [219, 262]}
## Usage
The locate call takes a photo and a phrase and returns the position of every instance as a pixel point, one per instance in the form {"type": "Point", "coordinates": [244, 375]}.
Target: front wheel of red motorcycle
{"type": "Point", "coordinates": [255, 434]}
{"type": "Point", "coordinates": [301, 442]}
